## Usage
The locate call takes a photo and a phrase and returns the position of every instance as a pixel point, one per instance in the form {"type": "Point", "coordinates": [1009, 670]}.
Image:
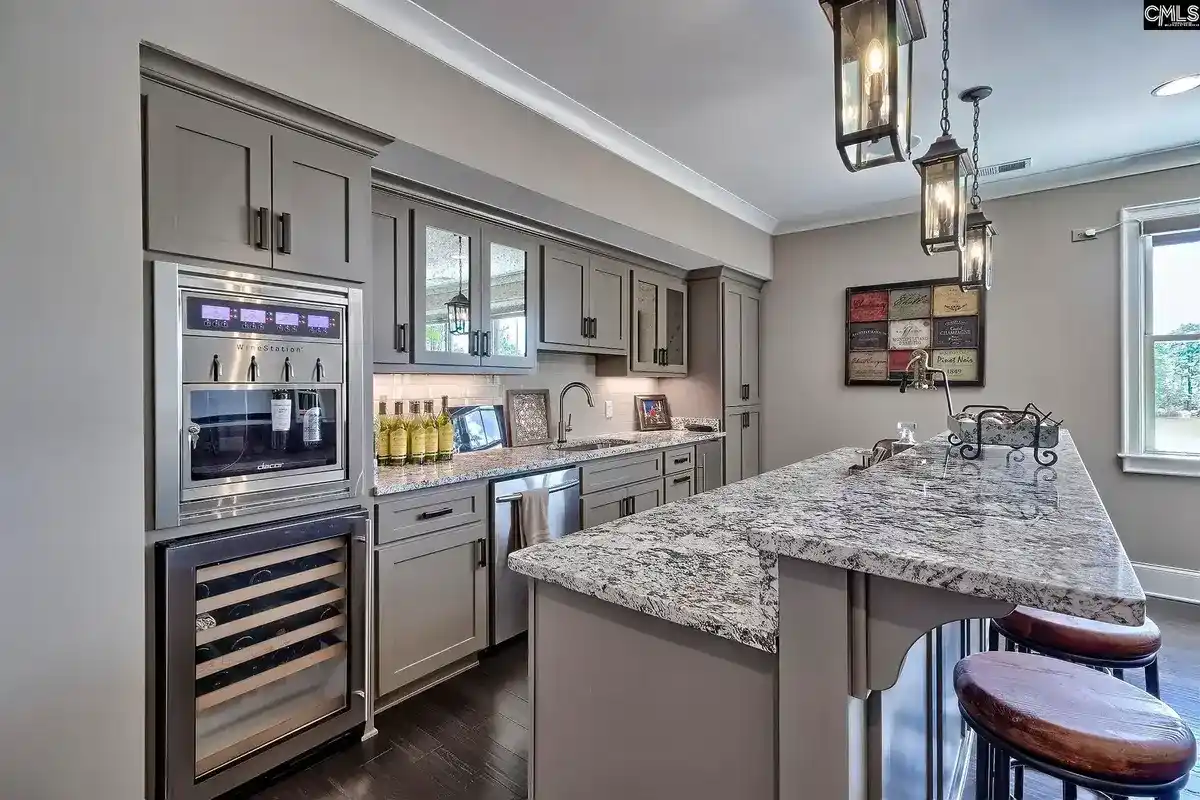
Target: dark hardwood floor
{"type": "Point", "coordinates": [468, 738]}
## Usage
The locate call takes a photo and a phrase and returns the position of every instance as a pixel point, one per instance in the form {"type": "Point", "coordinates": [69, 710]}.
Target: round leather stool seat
{"type": "Point", "coordinates": [1072, 636]}
{"type": "Point", "coordinates": [1074, 718]}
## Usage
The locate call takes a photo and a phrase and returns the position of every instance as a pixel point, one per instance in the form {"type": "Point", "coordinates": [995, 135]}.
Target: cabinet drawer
{"type": "Point", "coordinates": [678, 486]}
{"type": "Point", "coordinates": [429, 511]}
{"type": "Point", "coordinates": [613, 472]}
{"type": "Point", "coordinates": [680, 459]}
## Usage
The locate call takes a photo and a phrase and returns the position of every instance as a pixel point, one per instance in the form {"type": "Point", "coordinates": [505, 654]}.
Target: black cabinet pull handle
{"type": "Point", "coordinates": [483, 560]}
{"type": "Point", "coordinates": [655, 355]}
{"type": "Point", "coordinates": [320, 371]}
{"type": "Point", "coordinates": [583, 327]}
{"type": "Point", "coordinates": [287, 369]}
{"type": "Point", "coordinates": [217, 370]}
{"type": "Point", "coordinates": [402, 338]}
{"type": "Point", "coordinates": [473, 347]}
{"type": "Point", "coordinates": [253, 368]}
{"type": "Point", "coordinates": [260, 235]}
{"type": "Point", "coordinates": [441, 512]}
{"type": "Point", "coordinates": [487, 345]}
{"type": "Point", "coordinates": [745, 419]}
{"type": "Point", "coordinates": [285, 233]}
{"type": "Point", "coordinates": [682, 459]}
{"type": "Point", "coordinates": [682, 479]}
{"type": "Point", "coordinates": [664, 361]}
{"type": "Point", "coordinates": [592, 327]}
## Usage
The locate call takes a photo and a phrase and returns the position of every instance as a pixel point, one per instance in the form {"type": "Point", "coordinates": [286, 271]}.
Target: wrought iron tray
{"type": "Point", "coordinates": [979, 425]}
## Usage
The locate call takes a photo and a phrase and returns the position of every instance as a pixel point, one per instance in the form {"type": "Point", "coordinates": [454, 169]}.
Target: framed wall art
{"type": "Point", "coordinates": [528, 413]}
{"type": "Point", "coordinates": [887, 322]}
{"type": "Point", "coordinates": [653, 412]}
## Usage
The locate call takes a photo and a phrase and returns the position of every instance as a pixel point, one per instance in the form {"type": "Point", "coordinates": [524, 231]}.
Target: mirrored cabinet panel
{"type": "Point", "coordinates": [445, 279]}
{"type": "Point", "coordinates": [510, 288]}
{"type": "Point", "coordinates": [674, 327]}
{"type": "Point", "coordinates": [659, 324]}
{"type": "Point", "coordinates": [647, 349]}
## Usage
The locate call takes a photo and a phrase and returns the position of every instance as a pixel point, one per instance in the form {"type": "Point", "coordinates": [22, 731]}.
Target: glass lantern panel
{"type": "Point", "coordinates": [865, 54]}
{"type": "Point", "coordinates": [973, 260]}
{"type": "Point", "coordinates": [940, 201]}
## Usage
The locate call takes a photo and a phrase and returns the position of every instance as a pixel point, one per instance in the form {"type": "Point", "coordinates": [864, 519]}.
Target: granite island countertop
{"type": "Point", "coordinates": [998, 528]}
{"type": "Point", "coordinates": [506, 462]}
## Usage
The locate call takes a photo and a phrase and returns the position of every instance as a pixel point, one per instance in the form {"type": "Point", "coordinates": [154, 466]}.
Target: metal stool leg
{"type": "Point", "coordinates": [993, 637]}
{"type": "Point", "coordinates": [999, 774]}
{"type": "Point", "coordinates": [983, 773]}
{"type": "Point", "coordinates": [1119, 674]}
{"type": "Point", "coordinates": [1019, 781]}
{"type": "Point", "coordinates": [1152, 677]}
{"type": "Point", "coordinates": [1069, 791]}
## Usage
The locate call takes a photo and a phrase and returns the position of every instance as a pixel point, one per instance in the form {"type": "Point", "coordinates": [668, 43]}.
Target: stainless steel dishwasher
{"type": "Point", "coordinates": [509, 591]}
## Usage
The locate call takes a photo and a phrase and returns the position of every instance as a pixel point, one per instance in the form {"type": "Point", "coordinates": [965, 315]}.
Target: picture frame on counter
{"type": "Point", "coordinates": [653, 412]}
{"type": "Point", "coordinates": [527, 415]}
{"type": "Point", "coordinates": [886, 322]}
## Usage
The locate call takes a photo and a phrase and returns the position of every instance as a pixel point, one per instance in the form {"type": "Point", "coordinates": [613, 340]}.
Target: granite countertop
{"type": "Point", "coordinates": [508, 461]}
{"type": "Point", "coordinates": [999, 528]}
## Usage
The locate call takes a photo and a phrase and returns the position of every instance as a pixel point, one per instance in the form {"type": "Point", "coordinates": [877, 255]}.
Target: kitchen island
{"type": "Point", "coordinates": [751, 642]}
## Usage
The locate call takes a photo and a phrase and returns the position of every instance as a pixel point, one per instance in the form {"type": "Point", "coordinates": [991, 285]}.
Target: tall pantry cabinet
{"type": "Point", "coordinates": [723, 377]}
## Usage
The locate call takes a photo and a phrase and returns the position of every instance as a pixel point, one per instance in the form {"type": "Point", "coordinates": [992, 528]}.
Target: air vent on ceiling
{"type": "Point", "coordinates": [1007, 166]}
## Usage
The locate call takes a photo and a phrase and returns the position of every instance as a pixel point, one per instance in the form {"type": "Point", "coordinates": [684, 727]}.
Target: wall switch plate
{"type": "Point", "coordinates": [608, 409]}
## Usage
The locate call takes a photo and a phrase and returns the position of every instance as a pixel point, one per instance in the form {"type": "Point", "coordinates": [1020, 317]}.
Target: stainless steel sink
{"type": "Point", "coordinates": [587, 446]}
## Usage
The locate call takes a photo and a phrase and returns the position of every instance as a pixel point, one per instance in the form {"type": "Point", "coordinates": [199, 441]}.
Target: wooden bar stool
{"type": "Point", "coordinates": [1072, 723]}
{"type": "Point", "coordinates": [1094, 644]}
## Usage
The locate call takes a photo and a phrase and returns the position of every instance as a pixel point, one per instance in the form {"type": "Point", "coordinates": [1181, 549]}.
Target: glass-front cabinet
{"type": "Point", "coordinates": [659, 322]}
{"type": "Point", "coordinates": [474, 289]}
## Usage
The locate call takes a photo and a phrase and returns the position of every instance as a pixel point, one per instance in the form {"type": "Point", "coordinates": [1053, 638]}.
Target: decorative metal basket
{"type": "Point", "coordinates": [979, 425]}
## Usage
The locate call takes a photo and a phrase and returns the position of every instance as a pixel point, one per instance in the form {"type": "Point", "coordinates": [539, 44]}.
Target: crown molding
{"type": "Point", "coordinates": [448, 44]}
{"type": "Point", "coordinates": [1125, 166]}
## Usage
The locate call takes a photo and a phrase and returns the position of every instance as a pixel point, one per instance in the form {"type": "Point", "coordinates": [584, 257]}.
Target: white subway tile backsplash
{"type": "Point", "coordinates": [555, 370]}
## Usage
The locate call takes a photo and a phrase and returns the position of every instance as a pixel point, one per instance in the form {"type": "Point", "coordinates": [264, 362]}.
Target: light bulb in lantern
{"type": "Point", "coordinates": [874, 96]}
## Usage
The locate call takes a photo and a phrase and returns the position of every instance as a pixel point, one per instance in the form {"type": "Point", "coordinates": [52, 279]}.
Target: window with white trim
{"type": "Point", "coordinates": [1160, 285]}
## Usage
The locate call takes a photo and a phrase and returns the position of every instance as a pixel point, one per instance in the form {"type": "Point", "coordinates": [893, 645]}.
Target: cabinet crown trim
{"type": "Point", "coordinates": [170, 69]}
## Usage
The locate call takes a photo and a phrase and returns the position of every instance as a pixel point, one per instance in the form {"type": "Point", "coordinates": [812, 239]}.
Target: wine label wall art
{"type": "Point", "coordinates": [885, 323]}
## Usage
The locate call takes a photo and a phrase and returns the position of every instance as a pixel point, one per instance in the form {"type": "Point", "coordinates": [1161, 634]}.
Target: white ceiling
{"type": "Point", "coordinates": [732, 99]}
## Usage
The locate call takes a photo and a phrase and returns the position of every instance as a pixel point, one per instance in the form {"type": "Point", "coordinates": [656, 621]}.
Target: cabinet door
{"type": "Point", "coordinates": [602, 507]}
{"type": "Point", "coordinates": [564, 282]}
{"type": "Point", "coordinates": [208, 179]}
{"type": "Point", "coordinates": [734, 430]}
{"type": "Point", "coordinates": [509, 299]}
{"type": "Point", "coordinates": [445, 269]}
{"type": "Point", "coordinates": [710, 466]}
{"type": "Point", "coordinates": [677, 487]}
{"type": "Point", "coordinates": [750, 445]}
{"type": "Point", "coordinates": [606, 288]}
{"type": "Point", "coordinates": [322, 199]}
{"type": "Point", "coordinates": [673, 334]}
{"type": "Point", "coordinates": [645, 344]}
{"type": "Point", "coordinates": [749, 348]}
{"type": "Point", "coordinates": [645, 496]}
{"type": "Point", "coordinates": [731, 342]}
{"type": "Point", "coordinates": [390, 286]}
{"type": "Point", "coordinates": [432, 603]}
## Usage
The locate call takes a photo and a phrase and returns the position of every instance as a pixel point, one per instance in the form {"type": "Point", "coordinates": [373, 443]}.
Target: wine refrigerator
{"type": "Point", "coordinates": [260, 649]}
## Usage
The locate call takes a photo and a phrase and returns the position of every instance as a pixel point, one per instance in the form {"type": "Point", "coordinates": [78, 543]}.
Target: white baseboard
{"type": "Point", "coordinates": [1170, 583]}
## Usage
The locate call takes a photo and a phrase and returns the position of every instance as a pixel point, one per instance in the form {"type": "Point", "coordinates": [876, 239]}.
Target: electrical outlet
{"type": "Point", "coordinates": [608, 409]}
{"type": "Point", "coordinates": [1084, 235]}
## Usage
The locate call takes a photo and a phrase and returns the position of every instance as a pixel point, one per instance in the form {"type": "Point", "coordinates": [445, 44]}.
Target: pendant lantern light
{"type": "Point", "coordinates": [872, 78]}
{"type": "Point", "coordinates": [975, 260]}
{"type": "Point", "coordinates": [458, 310]}
{"type": "Point", "coordinates": [944, 170]}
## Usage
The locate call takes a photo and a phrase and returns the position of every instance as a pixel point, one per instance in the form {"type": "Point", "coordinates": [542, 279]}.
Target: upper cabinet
{"type": "Point", "coordinates": [474, 293]}
{"type": "Point", "coordinates": [585, 305]}
{"type": "Point", "coordinates": [740, 311]}
{"type": "Point", "coordinates": [391, 285]}
{"type": "Point", "coordinates": [659, 324]}
{"type": "Point", "coordinates": [226, 185]}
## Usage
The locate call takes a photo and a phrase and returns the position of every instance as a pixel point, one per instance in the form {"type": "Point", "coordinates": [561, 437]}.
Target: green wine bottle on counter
{"type": "Point", "coordinates": [416, 434]}
{"type": "Point", "coordinates": [445, 432]}
{"type": "Point", "coordinates": [431, 433]}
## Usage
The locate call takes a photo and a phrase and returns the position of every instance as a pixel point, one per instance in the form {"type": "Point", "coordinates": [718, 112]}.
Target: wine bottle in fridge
{"type": "Point", "coordinates": [281, 418]}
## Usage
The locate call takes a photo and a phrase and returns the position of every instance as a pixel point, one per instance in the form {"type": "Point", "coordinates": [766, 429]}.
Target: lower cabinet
{"type": "Point", "coordinates": [742, 444]}
{"type": "Point", "coordinates": [645, 496]}
{"type": "Point", "coordinates": [677, 487]}
{"type": "Point", "coordinates": [710, 466]}
{"type": "Point", "coordinates": [598, 508]}
{"type": "Point", "coordinates": [433, 603]}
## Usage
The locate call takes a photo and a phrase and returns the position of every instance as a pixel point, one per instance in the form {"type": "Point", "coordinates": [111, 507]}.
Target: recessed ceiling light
{"type": "Point", "coordinates": [1177, 86]}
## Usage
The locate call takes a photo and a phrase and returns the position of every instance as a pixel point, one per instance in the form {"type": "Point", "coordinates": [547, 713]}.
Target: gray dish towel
{"type": "Point", "coordinates": [533, 517]}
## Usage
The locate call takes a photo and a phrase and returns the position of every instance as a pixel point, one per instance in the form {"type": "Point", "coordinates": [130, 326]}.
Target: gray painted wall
{"type": "Point", "coordinates": [73, 625]}
{"type": "Point", "coordinates": [1053, 338]}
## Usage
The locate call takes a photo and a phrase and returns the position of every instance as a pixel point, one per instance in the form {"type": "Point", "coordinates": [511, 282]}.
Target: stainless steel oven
{"type": "Point", "coordinates": [260, 648]}
{"type": "Point", "coordinates": [255, 383]}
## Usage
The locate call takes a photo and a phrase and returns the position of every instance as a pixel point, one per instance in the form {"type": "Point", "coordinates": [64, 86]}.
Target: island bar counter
{"type": "Point", "coordinates": [747, 642]}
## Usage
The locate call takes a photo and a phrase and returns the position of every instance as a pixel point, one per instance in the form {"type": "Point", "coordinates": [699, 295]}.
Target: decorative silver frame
{"type": "Point", "coordinates": [510, 422]}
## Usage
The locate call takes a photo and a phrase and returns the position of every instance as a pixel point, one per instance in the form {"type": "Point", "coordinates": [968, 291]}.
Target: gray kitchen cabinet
{"type": "Point", "coordinates": [602, 507]}
{"type": "Point", "coordinates": [225, 185]}
{"type": "Point", "coordinates": [710, 465]}
{"type": "Point", "coordinates": [645, 496]}
{"type": "Point", "coordinates": [677, 487]}
{"type": "Point", "coordinates": [390, 280]}
{"type": "Point", "coordinates": [432, 597]}
{"type": "Point", "coordinates": [488, 268]}
{"type": "Point", "coordinates": [321, 198]}
{"type": "Point", "coordinates": [740, 311]}
{"type": "Point", "coordinates": [584, 302]}
{"type": "Point", "coordinates": [742, 444]}
{"type": "Point", "coordinates": [659, 324]}
{"type": "Point", "coordinates": [207, 179]}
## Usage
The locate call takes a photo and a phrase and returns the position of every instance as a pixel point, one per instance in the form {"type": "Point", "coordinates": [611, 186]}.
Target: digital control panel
{"type": "Point", "coordinates": [222, 315]}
